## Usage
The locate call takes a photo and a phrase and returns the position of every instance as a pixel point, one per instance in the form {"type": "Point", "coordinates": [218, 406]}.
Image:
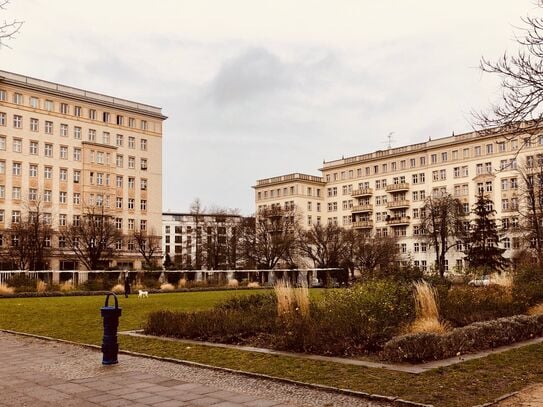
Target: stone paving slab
{"type": "Point", "coordinates": [39, 373]}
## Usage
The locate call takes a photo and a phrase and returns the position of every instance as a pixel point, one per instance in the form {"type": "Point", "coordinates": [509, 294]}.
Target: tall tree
{"type": "Point", "coordinates": [323, 245]}
{"type": "Point", "coordinates": [374, 253]}
{"type": "Point", "coordinates": [148, 244]}
{"type": "Point", "coordinates": [197, 210]}
{"type": "Point", "coordinates": [441, 225]}
{"type": "Point", "coordinates": [92, 239]}
{"type": "Point", "coordinates": [482, 250]}
{"type": "Point", "coordinates": [8, 28]}
{"type": "Point", "coordinates": [530, 208]}
{"type": "Point", "coordinates": [520, 106]}
{"type": "Point", "coordinates": [270, 237]}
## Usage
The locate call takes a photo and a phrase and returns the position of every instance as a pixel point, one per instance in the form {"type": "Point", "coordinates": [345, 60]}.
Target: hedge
{"type": "Point", "coordinates": [479, 336]}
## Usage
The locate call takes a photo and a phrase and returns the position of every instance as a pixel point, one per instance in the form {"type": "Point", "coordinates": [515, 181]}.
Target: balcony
{"type": "Point", "coordinates": [363, 224]}
{"type": "Point", "coordinates": [402, 186]}
{"type": "Point", "coordinates": [362, 208]}
{"type": "Point", "coordinates": [399, 221]}
{"type": "Point", "coordinates": [362, 192]}
{"type": "Point", "coordinates": [401, 203]}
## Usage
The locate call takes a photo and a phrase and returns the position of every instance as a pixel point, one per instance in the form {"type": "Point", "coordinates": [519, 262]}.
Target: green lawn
{"type": "Point", "coordinates": [78, 319]}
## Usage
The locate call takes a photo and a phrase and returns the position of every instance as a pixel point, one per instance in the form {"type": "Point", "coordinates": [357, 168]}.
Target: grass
{"type": "Point", "coordinates": [78, 319]}
{"type": "Point", "coordinates": [427, 311]}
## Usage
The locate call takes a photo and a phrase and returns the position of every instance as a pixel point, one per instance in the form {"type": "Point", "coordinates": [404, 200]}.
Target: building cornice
{"type": "Point", "coordinates": [69, 92]}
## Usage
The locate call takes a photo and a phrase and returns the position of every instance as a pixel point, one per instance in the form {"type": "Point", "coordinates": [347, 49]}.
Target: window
{"type": "Point", "coordinates": [433, 158]}
{"type": "Point", "coordinates": [442, 174]}
{"type": "Point", "coordinates": [490, 148]}
{"type": "Point", "coordinates": [63, 174]}
{"type": "Point", "coordinates": [2, 95]}
{"type": "Point", "coordinates": [131, 122]}
{"type": "Point", "coordinates": [2, 167]}
{"type": "Point", "coordinates": [92, 114]}
{"type": "Point", "coordinates": [2, 191]}
{"type": "Point", "coordinates": [48, 127]}
{"type": "Point", "coordinates": [143, 224]}
{"type": "Point", "coordinates": [143, 125]}
{"type": "Point", "coordinates": [444, 157]}
{"type": "Point", "coordinates": [48, 150]}
{"type": "Point", "coordinates": [77, 111]}
{"type": "Point", "coordinates": [488, 168]}
{"type": "Point", "coordinates": [34, 124]}
{"type": "Point", "coordinates": [119, 181]}
{"type": "Point", "coordinates": [92, 135]}
{"type": "Point", "coordinates": [479, 169]}
{"type": "Point", "coordinates": [77, 176]}
{"type": "Point", "coordinates": [143, 146]}
{"type": "Point", "coordinates": [77, 154]}
{"type": "Point", "coordinates": [119, 140]}
{"type": "Point", "coordinates": [64, 108]}
{"type": "Point", "coordinates": [99, 157]}
{"type": "Point", "coordinates": [501, 146]}
{"type": "Point", "coordinates": [77, 198]}
{"type": "Point", "coordinates": [464, 170]}
{"type": "Point", "coordinates": [16, 169]}
{"type": "Point", "coordinates": [131, 142]}
{"type": "Point", "coordinates": [62, 219]}
{"type": "Point", "coordinates": [49, 105]}
{"type": "Point", "coordinates": [105, 117]}
{"type": "Point", "coordinates": [477, 150]}
{"type": "Point", "coordinates": [2, 142]}
{"type": "Point", "coordinates": [119, 161]}
{"type": "Point", "coordinates": [131, 224]}
{"type": "Point", "coordinates": [143, 164]}
{"type": "Point", "coordinates": [48, 172]}
{"type": "Point", "coordinates": [2, 119]}
{"type": "Point", "coordinates": [120, 120]}
{"type": "Point", "coordinates": [47, 195]}
{"type": "Point", "coordinates": [456, 172]}
{"type": "Point", "coordinates": [15, 217]}
{"type": "Point", "coordinates": [17, 98]}
{"type": "Point", "coordinates": [131, 162]}
{"type": "Point", "coordinates": [131, 182]}
{"type": "Point", "coordinates": [118, 223]}
{"type": "Point", "coordinates": [64, 152]}
{"type": "Point", "coordinates": [105, 137]}
{"type": "Point", "coordinates": [62, 197]}
{"type": "Point", "coordinates": [143, 184]}
{"type": "Point", "coordinates": [77, 133]}
{"type": "Point", "coordinates": [17, 121]}
{"type": "Point", "coordinates": [16, 193]}
{"type": "Point", "coordinates": [33, 148]}
{"type": "Point", "coordinates": [143, 205]}
{"type": "Point", "coordinates": [119, 203]}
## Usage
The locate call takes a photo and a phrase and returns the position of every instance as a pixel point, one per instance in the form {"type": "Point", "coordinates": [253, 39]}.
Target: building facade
{"type": "Point", "coordinates": [72, 149]}
{"type": "Point", "coordinates": [382, 193]}
{"type": "Point", "coordinates": [204, 241]}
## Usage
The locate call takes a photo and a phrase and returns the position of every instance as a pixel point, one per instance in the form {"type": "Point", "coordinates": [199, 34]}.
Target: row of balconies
{"type": "Point", "coordinates": [397, 204]}
{"type": "Point", "coordinates": [390, 221]}
{"type": "Point", "coordinates": [400, 187]}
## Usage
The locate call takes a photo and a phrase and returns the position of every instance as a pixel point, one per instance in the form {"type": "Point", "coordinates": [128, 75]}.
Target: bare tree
{"type": "Point", "coordinates": [441, 225]}
{"type": "Point", "coordinates": [29, 246]}
{"type": "Point", "coordinates": [520, 107]}
{"type": "Point", "coordinates": [530, 207]}
{"type": "Point", "coordinates": [323, 245]}
{"type": "Point", "coordinates": [374, 253]}
{"type": "Point", "coordinates": [148, 244]}
{"type": "Point", "coordinates": [8, 28]}
{"type": "Point", "coordinates": [92, 239]}
{"type": "Point", "coordinates": [221, 241]}
{"type": "Point", "coordinates": [270, 238]}
{"type": "Point", "coordinates": [197, 210]}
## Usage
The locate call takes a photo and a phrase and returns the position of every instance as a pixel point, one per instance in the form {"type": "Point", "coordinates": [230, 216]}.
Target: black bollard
{"type": "Point", "coordinates": [110, 346]}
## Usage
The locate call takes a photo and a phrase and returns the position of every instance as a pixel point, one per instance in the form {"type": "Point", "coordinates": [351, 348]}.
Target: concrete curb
{"type": "Point", "coordinates": [497, 400]}
{"type": "Point", "coordinates": [375, 397]}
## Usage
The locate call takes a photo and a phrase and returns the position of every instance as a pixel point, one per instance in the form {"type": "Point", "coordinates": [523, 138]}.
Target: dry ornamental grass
{"type": "Point", "coordinates": [4, 289]}
{"type": "Point", "coordinates": [167, 287]}
{"type": "Point", "coordinates": [427, 312]}
{"type": "Point", "coordinates": [118, 289]}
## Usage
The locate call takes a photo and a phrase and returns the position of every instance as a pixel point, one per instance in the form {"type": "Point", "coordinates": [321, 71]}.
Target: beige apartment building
{"type": "Point", "coordinates": [382, 192]}
{"type": "Point", "coordinates": [71, 149]}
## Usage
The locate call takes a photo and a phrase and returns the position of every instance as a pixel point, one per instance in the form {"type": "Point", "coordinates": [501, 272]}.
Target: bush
{"type": "Point", "coordinates": [421, 347]}
{"type": "Point", "coordinates": [528, 287]}
{"type": "Point", "coordinates": [229, 322]}
{"type": "Point", "coordinates": [463, 305]}
{"type": "Point", "coordinates": [22, 283]}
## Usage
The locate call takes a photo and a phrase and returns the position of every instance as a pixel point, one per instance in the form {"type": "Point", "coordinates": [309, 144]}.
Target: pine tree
{"type": "Point", "coordinates": [482, 251]}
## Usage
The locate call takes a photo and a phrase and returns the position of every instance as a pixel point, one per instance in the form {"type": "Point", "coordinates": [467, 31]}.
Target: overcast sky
{"type": "Point", "coordinates": [256, 88]}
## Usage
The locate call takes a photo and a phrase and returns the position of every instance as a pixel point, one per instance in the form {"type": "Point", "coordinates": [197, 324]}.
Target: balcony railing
{"type": "Point", "coordinates": [363, 224]}
{"type": "Point", "coordinates": [362, 208]}
{"type": "Point", "coordinates": [399, 221]}
{"type": "Point", "coordinates": [402, 186]}
{"type": "Point", "coordinates": [401, 203]}
{"type": "Point", "coordinates": [362, 192]}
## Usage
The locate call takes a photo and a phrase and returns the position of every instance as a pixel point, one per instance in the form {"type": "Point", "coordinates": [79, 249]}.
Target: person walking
{"type": "Point", "coordinates": [126, 285]}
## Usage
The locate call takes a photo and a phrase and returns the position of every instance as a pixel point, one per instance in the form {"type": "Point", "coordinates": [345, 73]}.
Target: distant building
{"type": "Point", "coordinates": [71, 149]}
{"type": "Point", "coordinates": [382, 193]}
{"type": "Point", "coordinates": [203, 241]}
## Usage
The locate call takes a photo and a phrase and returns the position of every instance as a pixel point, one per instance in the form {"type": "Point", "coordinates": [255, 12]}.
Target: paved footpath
{"type": "Point", "coordinates": [41, 373]}
{"type": "Point", "coordinates": [531, 396]}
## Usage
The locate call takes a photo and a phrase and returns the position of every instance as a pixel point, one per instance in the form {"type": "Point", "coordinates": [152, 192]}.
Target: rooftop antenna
{"type": "Point", "coordinates": [390, 140]}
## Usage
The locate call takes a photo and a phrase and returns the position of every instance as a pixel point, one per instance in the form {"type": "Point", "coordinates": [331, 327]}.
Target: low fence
{"type": "Point", "coordinates": [310, 277]}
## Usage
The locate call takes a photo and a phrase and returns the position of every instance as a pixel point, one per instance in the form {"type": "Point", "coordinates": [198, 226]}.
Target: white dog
{"type": "Point", "coordinates": [143, 294]}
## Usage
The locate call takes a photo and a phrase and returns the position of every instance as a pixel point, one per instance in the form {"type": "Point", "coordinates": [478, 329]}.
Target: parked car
{"type": "Point", "coordinates": [480, 282]}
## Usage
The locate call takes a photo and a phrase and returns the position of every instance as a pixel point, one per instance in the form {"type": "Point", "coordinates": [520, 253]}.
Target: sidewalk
{"type": "Point", "coordinates": [531, 396]}
{"type": "Point", "coordinates": [35, 372]}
